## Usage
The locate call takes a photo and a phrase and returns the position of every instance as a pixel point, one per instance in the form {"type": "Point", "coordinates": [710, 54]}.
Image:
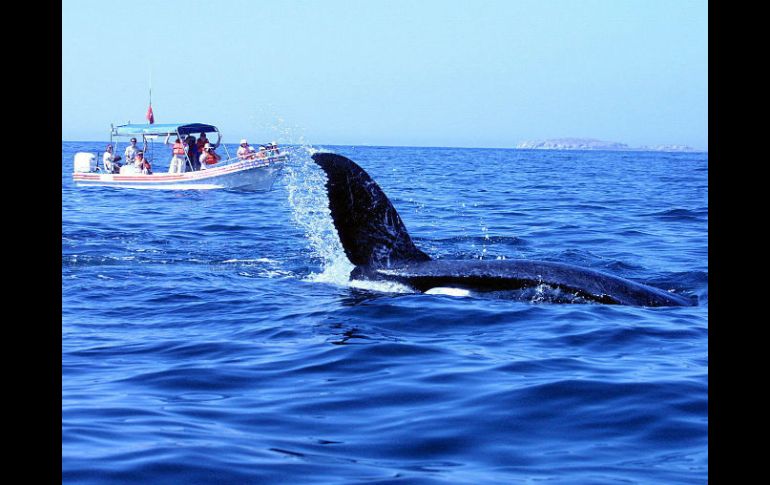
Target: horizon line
{"type": "Point", "coordinates": [629, 149]}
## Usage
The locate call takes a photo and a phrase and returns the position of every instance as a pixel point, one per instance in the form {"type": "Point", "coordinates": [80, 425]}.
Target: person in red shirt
{"type": "Point", "coordinates": [202, 140]}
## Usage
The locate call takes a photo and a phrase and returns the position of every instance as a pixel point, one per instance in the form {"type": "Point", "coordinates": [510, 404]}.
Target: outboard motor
{"type": "Point", "coordinates": [85, 162]}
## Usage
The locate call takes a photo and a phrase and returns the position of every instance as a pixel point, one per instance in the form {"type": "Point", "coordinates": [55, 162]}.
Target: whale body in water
{"type": "Point", "coordinates": [376, 241]}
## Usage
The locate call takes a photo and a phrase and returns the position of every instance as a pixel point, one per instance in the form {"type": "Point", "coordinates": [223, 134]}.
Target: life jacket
{"type": "Point", "coordinates": [210, 158]}
{"type": "Point", "coordinates": [200, 143]}
{"type": "Point", "coordinates": [178, 149]}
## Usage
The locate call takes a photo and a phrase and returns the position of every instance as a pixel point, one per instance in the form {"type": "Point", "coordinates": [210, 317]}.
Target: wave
{"type": "Point", "coordinates": [503, 240]}
{"type": "Point", "coordinates": [680, 214]}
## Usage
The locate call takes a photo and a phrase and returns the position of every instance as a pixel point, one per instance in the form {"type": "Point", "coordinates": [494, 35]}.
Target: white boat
{"type": "Point", "coordinates": [256, 174]}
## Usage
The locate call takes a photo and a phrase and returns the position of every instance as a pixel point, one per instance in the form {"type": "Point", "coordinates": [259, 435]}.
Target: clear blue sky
{"type": "Point", "coordinates": [471, 73]}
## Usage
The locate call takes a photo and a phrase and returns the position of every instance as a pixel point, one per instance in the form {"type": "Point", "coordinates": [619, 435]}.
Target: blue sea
{"type": "Point", "coordinates": [214, 336]}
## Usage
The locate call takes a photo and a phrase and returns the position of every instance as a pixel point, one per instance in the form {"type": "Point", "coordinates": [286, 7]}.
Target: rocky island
{"type": "Point", "coordinates": [594, 144]}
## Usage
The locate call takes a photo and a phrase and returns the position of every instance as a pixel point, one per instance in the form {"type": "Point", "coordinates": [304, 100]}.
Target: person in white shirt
{"type": "Point", "coordinates": [129, 156]}
{"type": "Point", "coordinates": [245, 151]}
{"type": "Point", "coordinates": [110, 161]}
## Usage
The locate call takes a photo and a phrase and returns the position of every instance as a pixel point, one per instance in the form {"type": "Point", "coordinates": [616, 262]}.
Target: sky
{"type": "Point", "coordinates": [467, 73]}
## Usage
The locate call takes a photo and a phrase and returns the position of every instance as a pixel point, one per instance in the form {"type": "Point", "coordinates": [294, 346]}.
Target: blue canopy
{"type": "Point", "coordinates": [163, 129]}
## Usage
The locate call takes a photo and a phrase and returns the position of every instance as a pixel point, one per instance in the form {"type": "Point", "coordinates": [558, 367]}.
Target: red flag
{"type": "Point", "coordinates": [150, 117]}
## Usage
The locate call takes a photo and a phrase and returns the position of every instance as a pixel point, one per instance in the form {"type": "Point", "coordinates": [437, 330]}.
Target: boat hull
{"type": "Point", "coordinates": [251, 175]}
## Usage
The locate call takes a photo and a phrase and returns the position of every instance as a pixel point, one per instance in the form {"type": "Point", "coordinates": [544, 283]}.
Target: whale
{"type": "Point", "coordinates": [376, 242]}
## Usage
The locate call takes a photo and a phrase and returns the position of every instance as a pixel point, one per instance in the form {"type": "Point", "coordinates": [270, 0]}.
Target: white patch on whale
{"type": "Point", "coordinates": [444, 290]}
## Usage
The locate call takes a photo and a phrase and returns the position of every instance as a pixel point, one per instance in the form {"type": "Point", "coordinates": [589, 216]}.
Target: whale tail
{"type": "Point", "coordinates": [370, 229]}
{"type": "Point", "coordinates": [374, 237]}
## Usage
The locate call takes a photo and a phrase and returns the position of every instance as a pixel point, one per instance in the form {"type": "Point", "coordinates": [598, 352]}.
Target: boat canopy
{"type": "Point", "coordinates": [163, 129]}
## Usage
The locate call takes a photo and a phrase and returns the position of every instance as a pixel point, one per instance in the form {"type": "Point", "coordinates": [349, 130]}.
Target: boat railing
{"type": "Point", "coordinates": [272, 156]}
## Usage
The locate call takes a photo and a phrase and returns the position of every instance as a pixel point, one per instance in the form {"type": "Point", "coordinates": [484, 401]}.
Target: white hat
{"type": "Point", "coordinates": [243, 141]}
{"type": "Point", "coordinates": [206, 146]}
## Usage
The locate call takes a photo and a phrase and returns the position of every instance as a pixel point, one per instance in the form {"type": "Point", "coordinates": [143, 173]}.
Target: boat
{"type": "Point", "coordinates": [256, 174]}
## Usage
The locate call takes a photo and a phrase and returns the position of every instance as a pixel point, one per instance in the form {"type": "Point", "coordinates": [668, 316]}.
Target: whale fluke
{"type": "Point", "coordinates": [370, 229]}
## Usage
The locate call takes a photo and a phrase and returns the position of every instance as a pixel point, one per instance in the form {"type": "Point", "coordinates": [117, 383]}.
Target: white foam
{"type": "Point", "coordinates": [336, 271]}
{"type": "Point", "coordinates": [275, 274]}
{"type": "Point", "coordinates": [380, 286]}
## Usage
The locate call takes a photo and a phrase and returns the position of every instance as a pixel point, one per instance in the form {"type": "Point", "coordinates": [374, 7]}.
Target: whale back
{"type": "Point", "coordinates": [575, 283]}
{"type": "Point", "coordinates": [369, 227]}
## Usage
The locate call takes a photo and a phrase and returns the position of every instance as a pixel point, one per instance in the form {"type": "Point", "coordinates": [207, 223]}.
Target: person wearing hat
{"type": "Point", "coordinates": [110, 161]}
{"type": "Point", "coordinates": [262, 153]}
{"type": "Point", "coordinates": [130, 152]}
{"type": "Point", "coordinates": [273, 149]}
{"type": "Point", "coordinates": [208, 157]}
{"type": "Point", "coordinates": [245, 151]}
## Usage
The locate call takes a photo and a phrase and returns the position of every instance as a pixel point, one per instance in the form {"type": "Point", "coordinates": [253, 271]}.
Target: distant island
{"type": "Point", "coordinates": [594, 144]}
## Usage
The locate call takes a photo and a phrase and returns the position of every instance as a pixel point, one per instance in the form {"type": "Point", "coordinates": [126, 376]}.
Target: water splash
{"type": "Point", "coordinates": [309, 203]}
{"type": "Point", "coordinates": [380, 286]}
{"type": "Point", "coordinates": [267, 121]}
{"type": "Point", "coordinates": [485, 231]}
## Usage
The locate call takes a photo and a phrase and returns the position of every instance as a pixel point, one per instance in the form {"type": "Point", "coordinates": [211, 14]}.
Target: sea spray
{"type": "Point", "coordinates": [306, 186]}
{"type": "Point", "coordinates": [309, 202]}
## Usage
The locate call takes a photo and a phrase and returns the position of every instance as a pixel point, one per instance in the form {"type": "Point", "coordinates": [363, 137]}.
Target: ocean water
{"type": "Point", "coordinates": [214, 337]}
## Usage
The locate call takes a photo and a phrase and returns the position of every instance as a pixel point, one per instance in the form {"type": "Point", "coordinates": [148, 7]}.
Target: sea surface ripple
{"type": "Point", "coordinates": [213, 336]}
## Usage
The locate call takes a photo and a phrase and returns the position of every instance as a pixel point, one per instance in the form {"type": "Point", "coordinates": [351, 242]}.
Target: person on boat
{"type": "Point", "coordinates": [192, 153]}
{"type": "Point", "coordinates": [208, 157]}
{"type": "Point", "coordinates": [202, 140]}
{"type": "Point", "coordinates": [130, 153]}
{"type": "Point", "coordinates": [178, 162]}
{"type": "Point", "coordinates": [144, 165]}
{"type": "Point", "coordinates": [110, 161]}
{"type": "Point", "coordinates": [272, 148]}
{"type": "Point", "coordinates": [246, 151]}
{"type": "Point", "coordinates": [262, 152]}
